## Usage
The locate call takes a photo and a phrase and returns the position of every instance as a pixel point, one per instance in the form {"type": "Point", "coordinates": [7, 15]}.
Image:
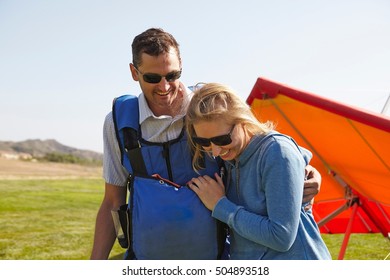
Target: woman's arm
{"type": "Point", "coordinates": [282, 175]}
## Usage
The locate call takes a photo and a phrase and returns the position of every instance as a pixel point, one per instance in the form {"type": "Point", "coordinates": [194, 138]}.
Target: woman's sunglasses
{"type": "Point", "coordinates": [221, 140]}
{"type": "Point", "coordinates": [152, 78]}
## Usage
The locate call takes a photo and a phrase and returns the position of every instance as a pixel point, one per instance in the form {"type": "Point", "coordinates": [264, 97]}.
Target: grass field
{"type": "Point", "coordinates": [46, 219]}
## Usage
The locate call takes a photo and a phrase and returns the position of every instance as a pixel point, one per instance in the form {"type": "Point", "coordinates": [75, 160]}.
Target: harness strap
{"type": "Point", "coordinates": [133, 150]}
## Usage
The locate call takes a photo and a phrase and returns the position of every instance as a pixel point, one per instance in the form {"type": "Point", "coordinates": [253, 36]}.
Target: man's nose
{"type": "Point", "coordinates": [163, 85]}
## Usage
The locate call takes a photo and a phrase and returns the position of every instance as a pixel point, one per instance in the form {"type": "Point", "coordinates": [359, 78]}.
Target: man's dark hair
{"type": "Point", "coordinates": [154, 41]}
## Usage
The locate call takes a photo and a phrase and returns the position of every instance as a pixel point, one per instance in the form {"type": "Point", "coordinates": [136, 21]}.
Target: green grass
{"type": "Point", "coordinates": [360, 246]}
{"type": "Point", "coordinates": [55, 219]}
{"type": "Point", "coordinates": [48, 219]}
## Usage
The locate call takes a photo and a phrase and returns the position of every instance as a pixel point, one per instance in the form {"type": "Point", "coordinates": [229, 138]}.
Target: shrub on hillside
{"type": "Point", "coordinates": [67, 158]}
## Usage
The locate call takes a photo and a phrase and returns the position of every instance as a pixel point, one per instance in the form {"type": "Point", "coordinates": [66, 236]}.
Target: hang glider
{"type": "Point", "coordinates": [351, 149]}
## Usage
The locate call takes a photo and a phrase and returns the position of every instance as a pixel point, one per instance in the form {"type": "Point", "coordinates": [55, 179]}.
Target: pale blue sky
{"type": "Point", "coordinates": [62, 62]}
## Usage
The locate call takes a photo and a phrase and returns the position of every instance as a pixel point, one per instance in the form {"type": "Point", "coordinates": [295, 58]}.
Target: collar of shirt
{"type": "Point", "coordinates": [163, 128]}
{"type": "Point", "coordinates": [145, 112]}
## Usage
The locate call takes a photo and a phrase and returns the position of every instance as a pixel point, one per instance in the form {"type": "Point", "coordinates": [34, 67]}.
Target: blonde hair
{"type": "Point", "coordinates": [214, 101]}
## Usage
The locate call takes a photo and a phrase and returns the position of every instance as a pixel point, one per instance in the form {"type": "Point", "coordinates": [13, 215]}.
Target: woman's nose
{"type": "Point", "coordinates": [216, 150]}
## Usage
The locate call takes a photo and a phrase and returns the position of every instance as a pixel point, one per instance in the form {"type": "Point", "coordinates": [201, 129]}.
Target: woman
{"type": "Point", "coordinates": [262, 201]}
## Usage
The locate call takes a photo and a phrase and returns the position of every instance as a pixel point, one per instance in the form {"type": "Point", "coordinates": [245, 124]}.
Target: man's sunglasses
{"type": "Point", "coordinates": [152, 78]}
{"type": "Point", "coordinates": [221, 140]}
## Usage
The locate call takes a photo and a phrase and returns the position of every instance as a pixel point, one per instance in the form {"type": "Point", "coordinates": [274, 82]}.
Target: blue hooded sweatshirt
{"type": "Point", "coordinates": [263, 203]}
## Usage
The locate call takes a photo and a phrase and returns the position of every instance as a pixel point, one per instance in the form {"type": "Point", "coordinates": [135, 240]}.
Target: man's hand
{"type": "Point", "coordinates": [311, 186]}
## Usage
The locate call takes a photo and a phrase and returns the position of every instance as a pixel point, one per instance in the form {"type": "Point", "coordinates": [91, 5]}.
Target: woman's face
{"type": "Point", "coordinates": [212, 129]}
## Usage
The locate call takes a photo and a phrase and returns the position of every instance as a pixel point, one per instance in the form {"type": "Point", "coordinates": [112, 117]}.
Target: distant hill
{"type": "Point", "coordinates": [37, 148]}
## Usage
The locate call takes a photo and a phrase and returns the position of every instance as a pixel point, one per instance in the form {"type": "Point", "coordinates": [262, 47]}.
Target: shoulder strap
{"type": "Point", "coordinates": [125, 112]}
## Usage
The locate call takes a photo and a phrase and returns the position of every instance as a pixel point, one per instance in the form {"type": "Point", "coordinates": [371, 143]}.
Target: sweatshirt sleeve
{"type": "Point", "coordinates": [282, 175]}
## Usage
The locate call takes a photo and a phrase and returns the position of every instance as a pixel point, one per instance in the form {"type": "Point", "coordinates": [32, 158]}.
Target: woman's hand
{"type": "Point", "coordinates": [208, 189]}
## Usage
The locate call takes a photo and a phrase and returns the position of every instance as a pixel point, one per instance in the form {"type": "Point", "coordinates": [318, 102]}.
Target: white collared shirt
{"type": "Point", "coordinates": [153, 128]}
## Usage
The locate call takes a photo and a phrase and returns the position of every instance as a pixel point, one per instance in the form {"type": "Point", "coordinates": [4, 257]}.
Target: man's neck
{"type": "Point", "coordinates": [173, 110]}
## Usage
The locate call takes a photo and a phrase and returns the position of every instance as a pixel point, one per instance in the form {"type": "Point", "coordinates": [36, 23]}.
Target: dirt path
{"type": "Point", "coordinates": [17, 169]}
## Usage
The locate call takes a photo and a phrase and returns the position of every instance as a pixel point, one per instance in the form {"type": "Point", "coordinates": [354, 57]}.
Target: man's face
{"type": "Point", "coordinates": [165, 96]}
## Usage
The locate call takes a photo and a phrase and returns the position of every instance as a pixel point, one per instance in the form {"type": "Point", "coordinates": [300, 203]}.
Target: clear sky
{"type": "Point", "coordinates": [62, 62]}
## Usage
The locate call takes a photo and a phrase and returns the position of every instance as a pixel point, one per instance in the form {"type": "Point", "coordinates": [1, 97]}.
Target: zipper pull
{"type": "Point", "coordinates": [157, 176]}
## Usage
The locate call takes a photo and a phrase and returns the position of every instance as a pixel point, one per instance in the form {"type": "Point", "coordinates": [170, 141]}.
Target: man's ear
{"type": "Point", "coordinates": [134, 72]}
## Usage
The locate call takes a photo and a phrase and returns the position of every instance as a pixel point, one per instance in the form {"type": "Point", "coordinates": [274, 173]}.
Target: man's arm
{"type": "Point", "coordinates": [105, 235]}
{"type": "Point", "coordinates": [311, 185]}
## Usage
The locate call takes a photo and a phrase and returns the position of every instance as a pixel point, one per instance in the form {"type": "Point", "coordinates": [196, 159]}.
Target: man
{"type": "Point", "coordinates": [162, 106]}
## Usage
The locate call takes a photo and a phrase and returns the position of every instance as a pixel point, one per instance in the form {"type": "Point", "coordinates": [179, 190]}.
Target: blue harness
{"type": "Point", "coordinates": [166, 220]}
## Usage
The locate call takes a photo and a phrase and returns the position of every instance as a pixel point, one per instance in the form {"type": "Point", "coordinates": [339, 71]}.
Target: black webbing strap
{"type": "Point", "coordinates": [133, 150]}
{"type": "Point", "coordinates": [137, 162]}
